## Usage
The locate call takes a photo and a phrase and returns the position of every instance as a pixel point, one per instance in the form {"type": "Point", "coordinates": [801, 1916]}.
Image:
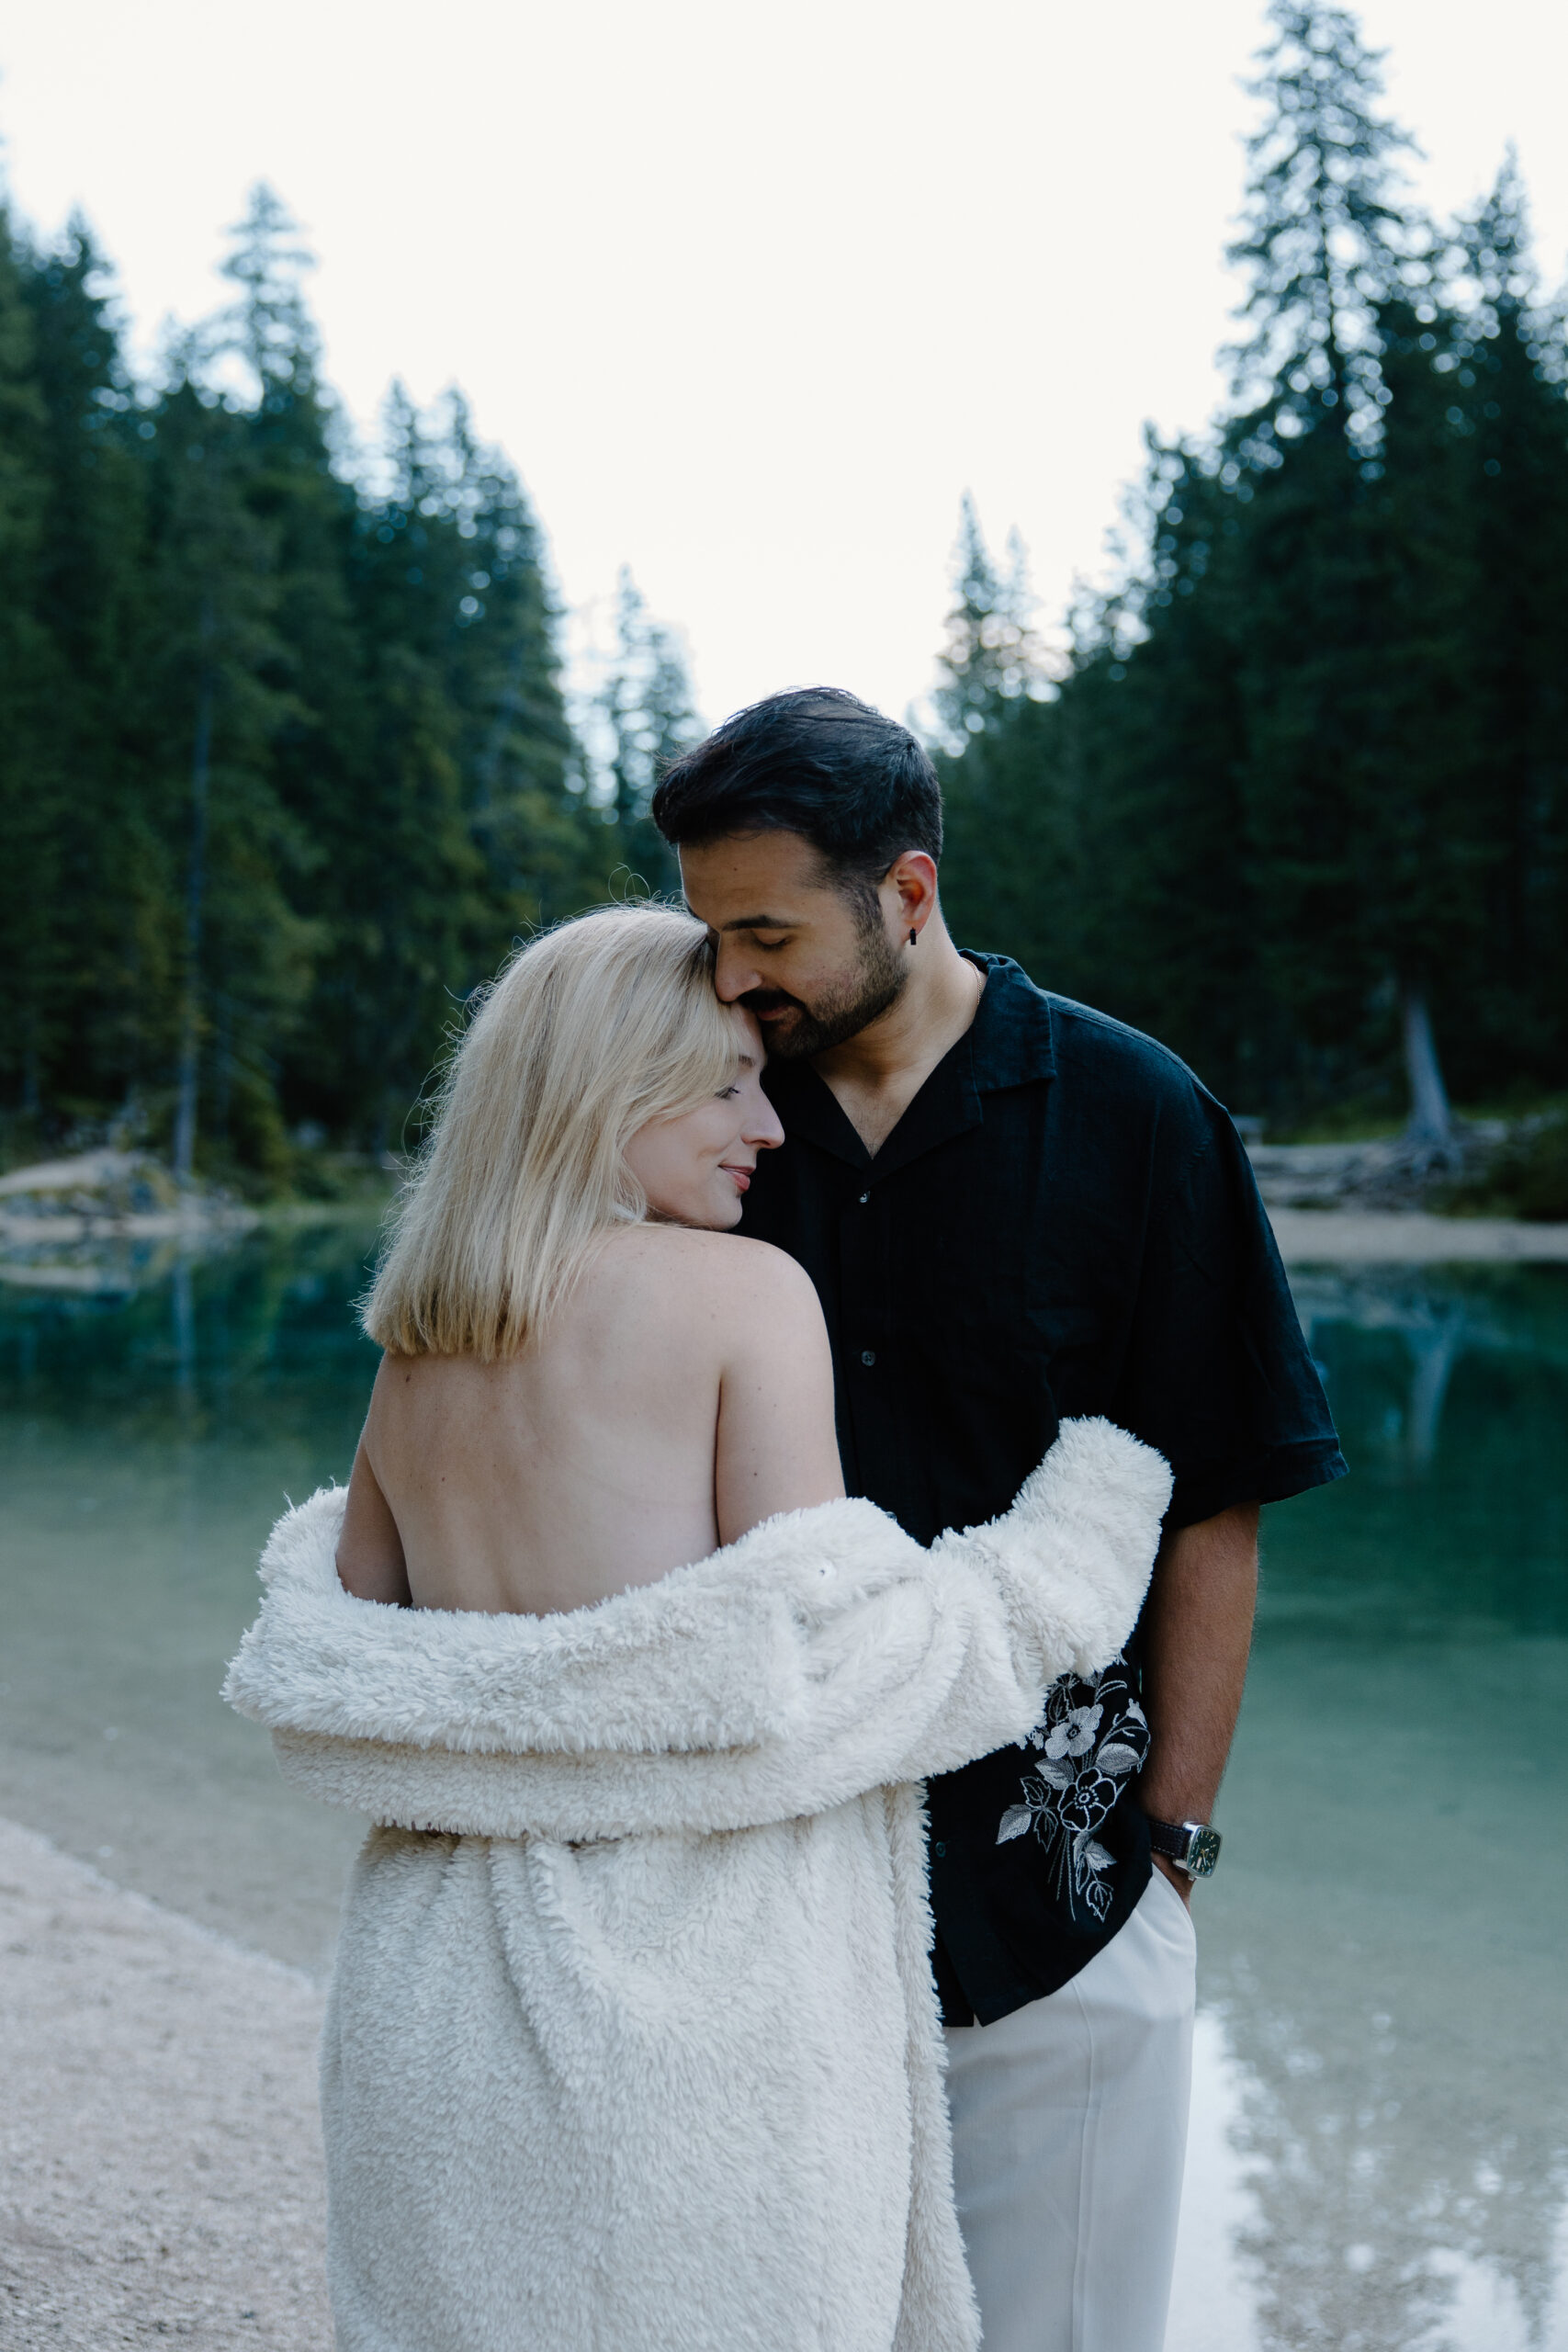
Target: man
{"type": "Point", "coordinates": [1011, 1207]}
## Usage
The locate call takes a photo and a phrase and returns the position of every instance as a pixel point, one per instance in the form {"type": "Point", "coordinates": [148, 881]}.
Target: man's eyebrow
{"type": "Point", "coordinates": [757, 922]}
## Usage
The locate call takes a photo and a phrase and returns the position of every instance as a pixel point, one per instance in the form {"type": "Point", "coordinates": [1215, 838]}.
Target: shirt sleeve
{"type": "Point", "coordinates": [1217, 1373]}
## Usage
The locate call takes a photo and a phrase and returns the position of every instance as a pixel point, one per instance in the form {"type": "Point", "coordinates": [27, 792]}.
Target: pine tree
{"type": "Point", "coordinates": [1325, 238]}
{"type": "Point", "coordinates": [1012, 857]}
{"type": "Point", "coordinates": [646, 711]}
{"type": "Point", "coordinates": [285, 767]}
{"type": "Point", "coordinates": [212, 708]}
{"type": "Point", "coordinates": [269, 324]}
{"type": "Point", "coordinates": [519, 753]}
{"type": "Point", "coordinates": [1008, 878]}
{"type": "Point", "coordinates": [403, 879]}
{"type": "Point", "coordinates": [991, 656]}
{"type": "Point", "coordinates": [1154, 718]}
{"type": "Point", "coordinates": [1508, 416]}
{"type": "Point", "coordinates": [33, 796]}
{"type": "Point", "coordinates": [105, 962]}
{"type": "Point", "coordinates": [1349, 782]}
{"type": "Point", "coordinates": [458, 829]}
{"type": "Point", "coordinates": [1299, 801]}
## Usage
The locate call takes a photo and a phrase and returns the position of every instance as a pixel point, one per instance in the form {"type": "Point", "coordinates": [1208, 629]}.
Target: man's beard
{"type": "Point", "coordinates": [841, 1011]}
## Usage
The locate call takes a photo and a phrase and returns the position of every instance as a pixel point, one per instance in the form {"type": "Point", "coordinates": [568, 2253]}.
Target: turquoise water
{"type": "Point", "coordinates": [1381, 2134]}
{"type": "Point", "coordinates": [147, 1443]}
{"type": "Point", "coordinates": [1385, 1947]}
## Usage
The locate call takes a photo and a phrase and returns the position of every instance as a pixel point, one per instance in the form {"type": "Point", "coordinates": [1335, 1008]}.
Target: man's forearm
{"type": "Point", "coordinates": [1198, 1633]}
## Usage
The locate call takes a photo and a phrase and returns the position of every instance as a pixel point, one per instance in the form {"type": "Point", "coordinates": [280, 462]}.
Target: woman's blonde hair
{"type": "Point", "coordinates": [585, 1035]}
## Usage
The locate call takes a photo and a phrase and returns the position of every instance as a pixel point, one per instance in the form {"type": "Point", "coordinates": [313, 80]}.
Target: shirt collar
{"type": "Point", "coordinates": [1012, 1036]}
{"type": "Point", "coordinates": [1008, 1043]}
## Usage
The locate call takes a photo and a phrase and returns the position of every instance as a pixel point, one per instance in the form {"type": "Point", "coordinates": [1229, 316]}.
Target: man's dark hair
{"type": "Point", "coordinates": [817, 762]}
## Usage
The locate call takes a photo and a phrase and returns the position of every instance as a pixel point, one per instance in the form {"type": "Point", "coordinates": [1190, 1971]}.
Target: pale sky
{"type": "Point", "coordinates": [750, 294]}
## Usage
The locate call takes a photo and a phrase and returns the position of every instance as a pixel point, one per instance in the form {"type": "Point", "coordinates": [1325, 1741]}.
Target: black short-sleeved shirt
{"type": "Point", "coordinates": [1063, 1221]}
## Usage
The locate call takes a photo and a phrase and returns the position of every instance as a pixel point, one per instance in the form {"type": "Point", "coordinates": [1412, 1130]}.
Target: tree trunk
{"type": "Point", "coordinates": [1430, 1120]}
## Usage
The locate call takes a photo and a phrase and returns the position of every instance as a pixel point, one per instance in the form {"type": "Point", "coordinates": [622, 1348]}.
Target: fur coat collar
{"type": "Point", "coordinates": [633, 2045]}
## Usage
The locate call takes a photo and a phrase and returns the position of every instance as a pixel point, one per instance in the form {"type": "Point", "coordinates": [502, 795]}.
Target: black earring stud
{"type": "Point", "coordinates": [914, 937]}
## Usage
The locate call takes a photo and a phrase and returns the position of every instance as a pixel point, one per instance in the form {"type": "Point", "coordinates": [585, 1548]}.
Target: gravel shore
{"type": "Point", "coordinates": [160, 2156]}
{"type": "Point", "coordinates": [1411, 1238]}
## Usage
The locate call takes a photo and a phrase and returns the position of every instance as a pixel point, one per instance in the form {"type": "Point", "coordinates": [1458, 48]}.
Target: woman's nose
{"type": "Point", "coordinates": [765, 1132]}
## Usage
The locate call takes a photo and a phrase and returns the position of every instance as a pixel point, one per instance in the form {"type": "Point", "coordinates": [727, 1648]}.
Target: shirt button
{"type": "Point", "coordinates": [868, 1357]}
{"type": "Point", "coordinates": [864, 1198]}
{"type": "Point", "coordinates": [938, 1851]}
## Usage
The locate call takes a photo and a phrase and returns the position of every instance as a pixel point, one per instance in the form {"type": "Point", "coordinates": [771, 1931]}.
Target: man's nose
{"type": "Point", "coordinates": [734, 974]}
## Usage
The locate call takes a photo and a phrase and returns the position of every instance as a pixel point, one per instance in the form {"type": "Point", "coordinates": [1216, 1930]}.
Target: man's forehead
{"type": "Point", "coordinates": [752, 881]}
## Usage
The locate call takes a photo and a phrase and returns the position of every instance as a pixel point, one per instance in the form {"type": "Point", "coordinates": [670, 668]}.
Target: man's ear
{"type": "Point", "coordinates": [912, 881]}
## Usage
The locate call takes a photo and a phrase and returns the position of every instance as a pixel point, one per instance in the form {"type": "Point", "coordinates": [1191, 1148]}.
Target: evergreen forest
{"type": "Point", "coordinates": [287, 762]}
{"type": "Point", "coordinates": [285, 765]}
{"type": "Point", "coordinates": [1295, 797]}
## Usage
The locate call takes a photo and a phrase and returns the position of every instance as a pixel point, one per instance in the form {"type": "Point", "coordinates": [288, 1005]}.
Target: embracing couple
{"type": "Point", "coordinates": [791, 1746]}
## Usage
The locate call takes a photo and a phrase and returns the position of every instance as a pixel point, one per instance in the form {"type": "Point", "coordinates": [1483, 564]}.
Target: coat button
{"type": "Point", "coordinates": [868, 1357]}
{"type": "Point", "coordinates": [938, 1851]}
{"type": "Point", "coordinates": [864, 1198]}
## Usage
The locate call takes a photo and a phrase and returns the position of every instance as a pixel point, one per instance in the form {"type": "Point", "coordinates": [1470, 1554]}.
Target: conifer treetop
{"type": "Point", "coordinates": [992, 654]}
{"type": "Point", "coordinates": [270, 325]}
{"type": "Point", "coordinates": [1326, 238]}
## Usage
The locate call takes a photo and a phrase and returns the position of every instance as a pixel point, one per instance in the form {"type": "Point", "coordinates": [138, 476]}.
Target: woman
{"type": "Point", "coordinates": [632, 2044]}
{"type": "Point", "coordinates": [585, 1384]}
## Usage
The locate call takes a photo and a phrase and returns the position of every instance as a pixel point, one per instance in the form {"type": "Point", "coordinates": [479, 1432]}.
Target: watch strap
{"type": "Point", "coordinates": [1193, 1845]}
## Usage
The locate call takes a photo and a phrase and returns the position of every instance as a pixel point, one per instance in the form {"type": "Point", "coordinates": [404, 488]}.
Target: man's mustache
{"type": "Point", "coordinates": [769, 1001]}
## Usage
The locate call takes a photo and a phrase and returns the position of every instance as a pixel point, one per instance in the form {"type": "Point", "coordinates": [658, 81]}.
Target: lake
{"type": "Point", "coordinates": [1380, 2147]}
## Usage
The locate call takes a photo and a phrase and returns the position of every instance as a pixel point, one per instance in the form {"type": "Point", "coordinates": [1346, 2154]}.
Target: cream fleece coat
{"type": "Point", "coordinates": [632, 2044]}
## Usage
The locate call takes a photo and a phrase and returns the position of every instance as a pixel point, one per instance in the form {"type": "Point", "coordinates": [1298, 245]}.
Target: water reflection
{"type": "Point", "coordinates": [152, 1423]}
{"type": "Point", "coordinates": [244, 1344]}
{"type": "Point", "coordinates": [1380, 2157]}
{"type": "Point", "coordinates": [1386, 1954]}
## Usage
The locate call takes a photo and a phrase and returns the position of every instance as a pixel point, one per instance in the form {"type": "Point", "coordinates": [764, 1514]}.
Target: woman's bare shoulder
{"type": "Point", "coordinates": [725, 1273]}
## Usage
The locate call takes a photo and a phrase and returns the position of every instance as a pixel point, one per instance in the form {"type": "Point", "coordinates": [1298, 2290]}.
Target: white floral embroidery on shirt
{"type": "Point", "coordinates": [1092, 1736]}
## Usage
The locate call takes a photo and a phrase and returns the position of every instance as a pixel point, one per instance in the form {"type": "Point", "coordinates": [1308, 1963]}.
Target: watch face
{"type": "Point", "coordinates": [1203, 1852]}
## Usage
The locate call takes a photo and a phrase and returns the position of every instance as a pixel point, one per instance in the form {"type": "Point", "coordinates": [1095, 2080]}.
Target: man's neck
{"type": "Point", "coordinates": [876, 1074]}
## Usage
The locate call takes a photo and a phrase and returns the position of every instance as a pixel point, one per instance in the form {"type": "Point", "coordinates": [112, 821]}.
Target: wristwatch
{"type": "Point", "coordinates": [1193, 1845]}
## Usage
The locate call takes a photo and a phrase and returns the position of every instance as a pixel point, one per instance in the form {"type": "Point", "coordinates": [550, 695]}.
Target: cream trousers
{"type": "Point", "coordinates": [1069, 2129]}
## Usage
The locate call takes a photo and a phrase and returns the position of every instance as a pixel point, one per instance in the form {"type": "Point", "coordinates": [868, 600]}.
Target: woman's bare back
{"type": "Point", "coordinates": [681, 1395]}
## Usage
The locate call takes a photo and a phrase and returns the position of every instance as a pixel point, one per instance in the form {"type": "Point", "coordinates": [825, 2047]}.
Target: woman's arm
{"type": "Point", "coordinates": [776, 1448]}
{"type": "Point", "coordinates": [370, 1563]}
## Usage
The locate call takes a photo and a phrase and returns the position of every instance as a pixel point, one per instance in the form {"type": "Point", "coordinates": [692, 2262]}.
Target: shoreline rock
{"type": "Point", "coordinates": [109, 1195]}
{"type": "Point", "coordinates": [1387, 1172]}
